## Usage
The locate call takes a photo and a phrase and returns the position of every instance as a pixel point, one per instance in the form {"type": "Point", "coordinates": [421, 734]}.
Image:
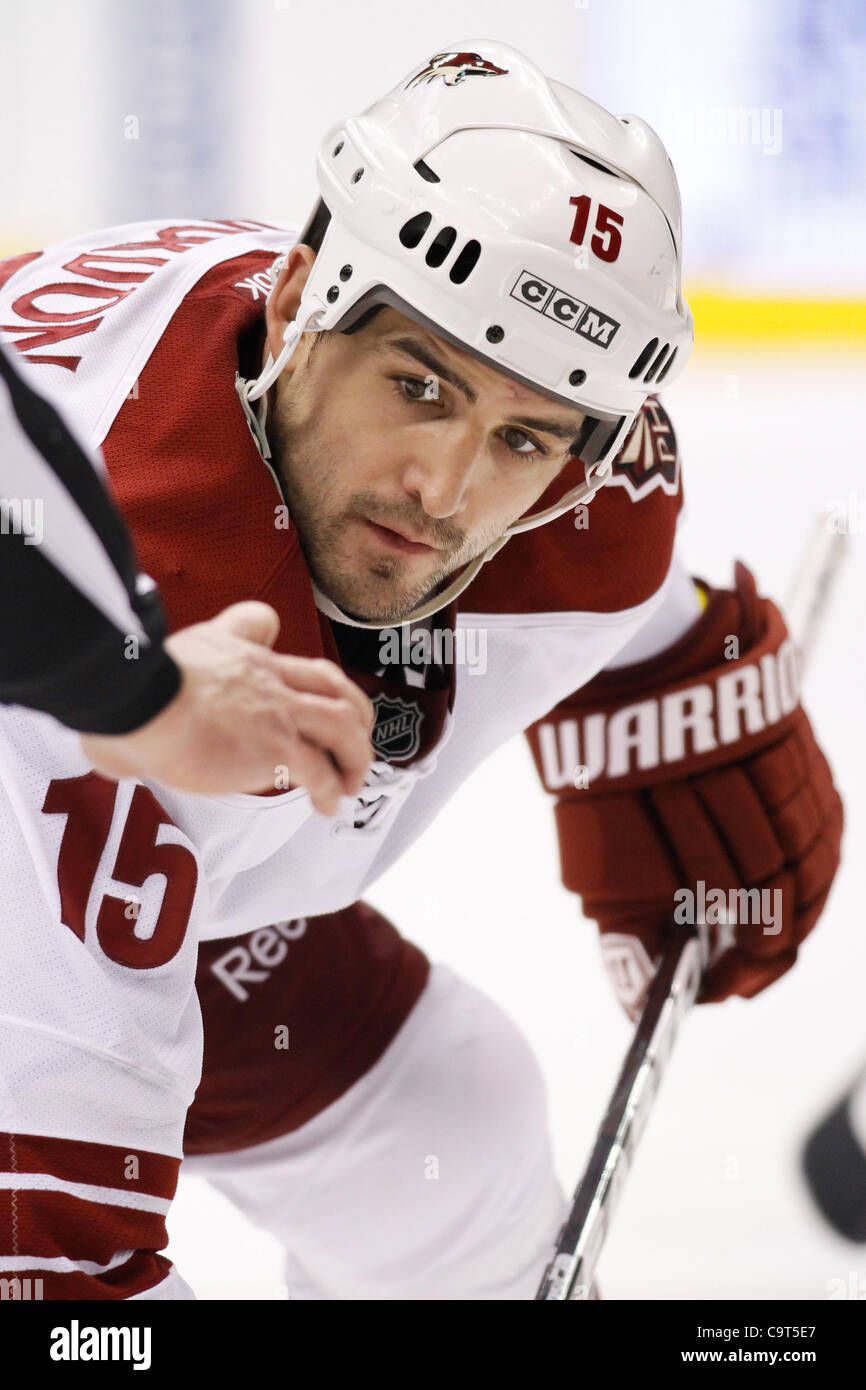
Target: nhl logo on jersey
{"type": "Point", "coordinates": [397, 731]}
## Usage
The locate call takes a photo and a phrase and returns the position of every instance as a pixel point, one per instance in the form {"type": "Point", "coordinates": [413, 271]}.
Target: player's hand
{"type": "Point", "coordinates": [247, 719]}
{"type": "Point", "coordinates": [714, 801]}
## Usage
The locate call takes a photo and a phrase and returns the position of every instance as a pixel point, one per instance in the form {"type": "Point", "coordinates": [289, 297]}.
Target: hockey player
{"type": "Point", "coordinates": [389, 427]}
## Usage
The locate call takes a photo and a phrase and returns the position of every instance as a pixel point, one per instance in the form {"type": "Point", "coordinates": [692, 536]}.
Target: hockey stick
{"type": "Point", "coordinates": [673, 990]}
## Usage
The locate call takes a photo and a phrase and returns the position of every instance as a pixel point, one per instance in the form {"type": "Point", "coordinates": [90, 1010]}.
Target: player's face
{"type": "Point", "coordinates": [403, 457]}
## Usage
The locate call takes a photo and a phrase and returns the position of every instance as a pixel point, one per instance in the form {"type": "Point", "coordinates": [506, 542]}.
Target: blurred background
{"type": "Point", "coordinates": [114, 112]}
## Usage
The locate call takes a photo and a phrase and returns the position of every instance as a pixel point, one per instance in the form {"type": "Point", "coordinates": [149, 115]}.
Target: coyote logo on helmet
{"type": "Point", "coordinates": [453, 67]}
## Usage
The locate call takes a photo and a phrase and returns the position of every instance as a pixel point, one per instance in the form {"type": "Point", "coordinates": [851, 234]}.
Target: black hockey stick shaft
{"type": "Point", "coordinates": [671, 993]}
{"type": "Point", "coordinates": [673, 990]}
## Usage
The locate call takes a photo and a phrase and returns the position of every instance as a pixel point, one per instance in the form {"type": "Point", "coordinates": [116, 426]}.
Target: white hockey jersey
{"type": "Point", "coordinates": [108, 888]}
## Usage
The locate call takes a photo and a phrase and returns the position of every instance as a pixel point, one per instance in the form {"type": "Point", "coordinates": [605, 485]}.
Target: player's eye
{"type": "Point", "coordinates": [510, 435]}
{"type": "Point", "coordinates": [413, 388]}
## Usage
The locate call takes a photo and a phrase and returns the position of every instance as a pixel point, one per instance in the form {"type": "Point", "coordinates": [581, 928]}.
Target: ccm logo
{"type": "Point", "coordinates": [268, 947]}
{"type": "Point", "coordinates": [563, 308]}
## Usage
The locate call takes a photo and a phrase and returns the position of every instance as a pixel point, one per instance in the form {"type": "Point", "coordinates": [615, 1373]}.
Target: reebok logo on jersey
{"type": "Point", "coordinates": [257, 285]}
{"type": "Point", "coordinates": [684, 723]}
{"type": "Point", "coordinates": [267, 947]}
{"type": "Point", "coordinates": [574, 314]}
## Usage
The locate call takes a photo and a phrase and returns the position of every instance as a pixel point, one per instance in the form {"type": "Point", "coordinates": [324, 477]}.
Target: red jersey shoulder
{"type": "Point", "coordinates": [205, 513]}
{"type": "Point", "coordinates": [607, 556]}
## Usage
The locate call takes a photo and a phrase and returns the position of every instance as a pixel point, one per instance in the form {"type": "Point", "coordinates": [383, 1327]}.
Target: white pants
{"type": "Point", "coordinates": [171, 1289]}
{"type": "Point", "coordinates": [430, 1178]}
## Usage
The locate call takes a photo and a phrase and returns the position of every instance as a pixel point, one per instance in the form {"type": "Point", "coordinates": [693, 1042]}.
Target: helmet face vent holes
{"type": "Point", "coordinates": [644, 358]}
{"type": "Point", "coordinates": [425, 171]}
{"type": "Point", "coordinates": [666, 368]}
{"type": "Point", "coordinates": [465, 262]}
{"type": "Point", "coordinates": [412, 231]}
{"type": "Point", "coordinates": [440, 246]}
{"type": "Point", "coordinates": [577, 378]}
{"type": "Point", "coordinates": [357, 176]}
{"type": "Point", "coordinates": [336, 150]}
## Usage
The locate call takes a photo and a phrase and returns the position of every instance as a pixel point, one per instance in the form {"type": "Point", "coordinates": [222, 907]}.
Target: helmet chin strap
{"type": "Point", "coordinates": [424, 609]}
{"type": "Point", "coordinates": [306, 322]}
{"type": "Point", "coordinates": [597, 475]}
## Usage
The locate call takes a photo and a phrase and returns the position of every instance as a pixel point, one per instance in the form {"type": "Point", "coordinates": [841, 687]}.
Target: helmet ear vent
{"type": "Point", "coordinates": [422, 168]}
{"type": "Point", "coordinates": [644, 358]}
{"type": "Point", "coordinates": [650, 376]}
{"type": "Point", "coordinates": [666, 368]}
{"type": "Point", "coordinates": [412, 231]}
{"type": "Point", "coordinates": [654, 359]}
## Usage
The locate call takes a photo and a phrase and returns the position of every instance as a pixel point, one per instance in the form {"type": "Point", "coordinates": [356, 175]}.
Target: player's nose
{"type": "Point", "coordinates": [443, 474]}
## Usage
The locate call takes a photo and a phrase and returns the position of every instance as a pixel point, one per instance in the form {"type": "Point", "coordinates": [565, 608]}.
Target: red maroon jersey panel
{"type": "Point", "coordinates": [340, 985]}
{"type": "Point", "coordinates": [85, 1220]}
{"type": "Point", "coordinates": [202, 506]}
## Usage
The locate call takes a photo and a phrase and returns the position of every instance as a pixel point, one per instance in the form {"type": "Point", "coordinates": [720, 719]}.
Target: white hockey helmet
{"type": "Point", "coordinates": [522, 222]}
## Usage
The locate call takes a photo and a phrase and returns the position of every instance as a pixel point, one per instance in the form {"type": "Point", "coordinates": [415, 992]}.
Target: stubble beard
{"type": "Point", "coordinates": [376, 591]}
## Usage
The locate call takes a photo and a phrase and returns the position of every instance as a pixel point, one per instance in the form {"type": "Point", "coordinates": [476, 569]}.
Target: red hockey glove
{"type": "Point", "coordinates": [688, 781]}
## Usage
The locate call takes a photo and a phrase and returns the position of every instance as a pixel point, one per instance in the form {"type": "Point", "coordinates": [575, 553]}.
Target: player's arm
{"type": "Point", "coordinates": [696, 766]}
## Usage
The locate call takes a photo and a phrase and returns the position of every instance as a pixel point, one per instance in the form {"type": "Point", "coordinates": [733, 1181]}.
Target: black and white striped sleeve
{"type": "Point", "coordinates": [80, 630]}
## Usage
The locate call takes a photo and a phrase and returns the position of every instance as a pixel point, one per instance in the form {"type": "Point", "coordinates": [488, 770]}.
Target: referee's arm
{"type": "Point", "coordinates": [80, 631]}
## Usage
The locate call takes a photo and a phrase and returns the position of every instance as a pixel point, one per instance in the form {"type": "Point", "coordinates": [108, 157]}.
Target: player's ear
{"type": "Point", "coordinates": [283, 301]}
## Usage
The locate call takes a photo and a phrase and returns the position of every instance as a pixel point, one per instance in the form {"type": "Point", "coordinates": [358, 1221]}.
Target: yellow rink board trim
{"type": "Point", "coordinates": [718, 314]}
{"type": "Point", "coordinates": [780, 320]}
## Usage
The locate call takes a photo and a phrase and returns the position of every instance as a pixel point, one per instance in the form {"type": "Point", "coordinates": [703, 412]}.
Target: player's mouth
{"type": "Point", "coordinates": [397, 540]}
